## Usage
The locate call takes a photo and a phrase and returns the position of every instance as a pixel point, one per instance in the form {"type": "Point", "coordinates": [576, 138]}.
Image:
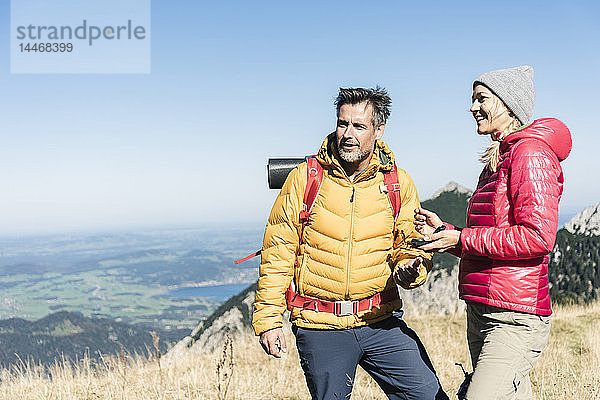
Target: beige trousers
{"type": "Point", "coordinates": [504, 347]}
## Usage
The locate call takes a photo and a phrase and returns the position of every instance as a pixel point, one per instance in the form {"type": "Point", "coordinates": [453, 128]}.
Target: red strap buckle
{"type": "Point", "coordinates": [304, 216]}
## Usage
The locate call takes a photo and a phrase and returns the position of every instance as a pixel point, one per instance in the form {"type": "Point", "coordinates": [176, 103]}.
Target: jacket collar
{"type": "Point", "coordinates": [382, 159]}
{"type": "Point", "coordinates": [549, 130]}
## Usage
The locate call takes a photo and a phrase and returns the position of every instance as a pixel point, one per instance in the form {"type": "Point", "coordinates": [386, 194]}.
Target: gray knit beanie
{"type": "Point", "coordinates": [514, 86]}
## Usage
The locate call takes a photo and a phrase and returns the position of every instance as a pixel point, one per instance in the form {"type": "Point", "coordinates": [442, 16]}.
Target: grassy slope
{"type": "Point", "coordinates": [567, 369]}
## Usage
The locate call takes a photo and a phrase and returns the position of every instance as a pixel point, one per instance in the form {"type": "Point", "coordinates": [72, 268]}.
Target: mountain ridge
{"type": "Point", "coordinates": [72, 336]}
{"type": "Point", "coordinates": [587, 222]}
{"type": "Point", "coordinates": [452, 187]}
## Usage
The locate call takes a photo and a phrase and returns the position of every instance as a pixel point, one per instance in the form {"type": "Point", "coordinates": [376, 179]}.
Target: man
{"type": "Point", "coordinates": [342, 263]}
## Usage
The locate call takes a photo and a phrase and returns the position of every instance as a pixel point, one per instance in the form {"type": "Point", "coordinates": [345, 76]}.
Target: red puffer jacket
{"type": "Point", "coordinates": [512, 221]}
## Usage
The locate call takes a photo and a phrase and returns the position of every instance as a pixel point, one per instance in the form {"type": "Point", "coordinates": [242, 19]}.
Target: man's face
{"type": "Point", "coordinates": [355, 133]}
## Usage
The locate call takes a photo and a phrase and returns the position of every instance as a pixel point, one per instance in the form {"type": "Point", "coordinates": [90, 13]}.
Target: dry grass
{"type": "Point", "coordinates": [569, 368]}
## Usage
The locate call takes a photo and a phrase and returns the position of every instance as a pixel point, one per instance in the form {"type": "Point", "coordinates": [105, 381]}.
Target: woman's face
{"type": "Point", "coordinates": [490, 113]}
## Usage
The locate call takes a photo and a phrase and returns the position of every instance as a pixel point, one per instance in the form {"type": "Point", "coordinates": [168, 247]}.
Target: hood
{"type": "Point", "coordinates": [549, 130]}
{"type": "Point", "coordinates": [382, 160]}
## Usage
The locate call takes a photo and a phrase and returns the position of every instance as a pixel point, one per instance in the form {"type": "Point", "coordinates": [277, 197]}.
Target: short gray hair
{"type": "Point", "coordinates": [377, 98]}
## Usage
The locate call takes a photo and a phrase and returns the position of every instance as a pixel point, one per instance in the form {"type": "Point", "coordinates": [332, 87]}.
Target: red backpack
{"type": "Point", "coordinates": [314, 172]}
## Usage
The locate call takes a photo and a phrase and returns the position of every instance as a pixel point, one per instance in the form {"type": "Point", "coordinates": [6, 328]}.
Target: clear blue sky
{"type": "Point", "coordinates": [233, 83]}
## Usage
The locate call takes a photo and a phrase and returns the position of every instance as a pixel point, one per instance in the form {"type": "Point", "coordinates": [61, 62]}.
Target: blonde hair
{"type": "Point", "coordinates": [491, 154]}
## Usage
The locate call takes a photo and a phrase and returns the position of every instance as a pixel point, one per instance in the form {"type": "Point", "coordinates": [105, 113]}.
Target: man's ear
{"type": "Point", "coordinates": [379, 131]}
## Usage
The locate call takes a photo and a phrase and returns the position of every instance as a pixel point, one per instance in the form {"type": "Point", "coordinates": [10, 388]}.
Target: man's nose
{"type": "Point", "coordinates": [348, 131]}
{"type": "Point", "coordinates": [475, 106]}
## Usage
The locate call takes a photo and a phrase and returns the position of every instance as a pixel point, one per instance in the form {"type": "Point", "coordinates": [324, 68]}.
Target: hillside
{"type": "Point", "coordinates": [223, 345]}
{"type": "Point", "coordinates": [586, 222]}
{"type": "Point", "coordinates": [567, 369]}
{"type": "Point", "coordinates": [72, 336]}
{"type": "Point", "coordinates": [450, 203]}
{"type": "Point", "coordinates": [232, 317]}
{"type": "Point", "coordinates": [575, 268]}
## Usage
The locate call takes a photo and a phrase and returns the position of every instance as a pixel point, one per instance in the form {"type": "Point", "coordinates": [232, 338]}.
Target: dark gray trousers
{"type": "Point", "coordinates": [389, 351]}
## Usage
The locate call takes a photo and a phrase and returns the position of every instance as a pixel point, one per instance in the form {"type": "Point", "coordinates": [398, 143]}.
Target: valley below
{"type": "Point", "coordinates": [148, 278]}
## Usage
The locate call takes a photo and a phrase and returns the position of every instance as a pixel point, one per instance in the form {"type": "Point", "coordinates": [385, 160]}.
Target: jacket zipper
{"type": "Point", "coordinates": [470, 205]}
{"type": "Point", "coordinates": [350, 243]}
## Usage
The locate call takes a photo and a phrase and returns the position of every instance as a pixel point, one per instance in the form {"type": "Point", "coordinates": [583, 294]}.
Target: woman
{"type": "Point", "coordinates": [512, 220]}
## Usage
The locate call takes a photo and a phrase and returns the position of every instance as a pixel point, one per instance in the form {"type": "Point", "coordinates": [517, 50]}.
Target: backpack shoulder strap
{"type": "Point", "coordinates": [392, 187]}
{"type": "Point", "coordinates": [314, 179]}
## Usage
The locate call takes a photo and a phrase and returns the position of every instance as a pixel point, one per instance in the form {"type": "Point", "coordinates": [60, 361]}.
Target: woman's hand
{"type": "Point", "coordinates": [442, 241]}
{"type": "Point", "coordinates": [426, 221]}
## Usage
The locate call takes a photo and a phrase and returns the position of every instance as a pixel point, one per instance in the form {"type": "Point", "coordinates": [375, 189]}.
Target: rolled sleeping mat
{"type": "Point", "coordinates": [279, 168]}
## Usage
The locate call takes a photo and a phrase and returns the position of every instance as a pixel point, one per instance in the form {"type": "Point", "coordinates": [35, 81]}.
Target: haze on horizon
{"type": "Point", "coordinates": [233, 84]}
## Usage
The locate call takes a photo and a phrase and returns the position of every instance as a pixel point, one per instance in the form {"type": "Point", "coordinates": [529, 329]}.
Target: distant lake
{"type": "Point", "coordinates": [217, 292]}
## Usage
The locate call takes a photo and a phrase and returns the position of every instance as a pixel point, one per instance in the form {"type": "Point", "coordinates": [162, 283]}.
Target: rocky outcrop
{"type": "Point", "coordinates": [438, 296]}
{"type": "Point", "coordinates": [586, 222]}
{"type": "Point", "coordinates": [230, 318]}
{"type": "Point", "coordinates": [452, 187]}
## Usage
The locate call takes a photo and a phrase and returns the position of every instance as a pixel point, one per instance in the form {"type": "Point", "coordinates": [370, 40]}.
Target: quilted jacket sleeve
{"type": "Point", "coordinates": [278, 254]}
{"type": "Point", "coordinates": [456, 251]}
{"type": "Point", "coordinates": [404, 225]}
{"type": "Point", "coordinates": [535, 185]}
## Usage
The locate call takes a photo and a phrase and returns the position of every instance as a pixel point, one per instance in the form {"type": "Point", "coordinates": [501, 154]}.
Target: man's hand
{"type": "Point", "coordinates": [406, 273]}
{"type": "Point", "coordinates": [426, 221]}
{"type": "Point", "coordinates": [273, 342]}
{"type": "Point", "coordinates": [442, 241]}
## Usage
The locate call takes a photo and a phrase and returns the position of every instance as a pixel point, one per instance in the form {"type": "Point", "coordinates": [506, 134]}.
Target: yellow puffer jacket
{"type": "Point", "coordinates": [348, 250]}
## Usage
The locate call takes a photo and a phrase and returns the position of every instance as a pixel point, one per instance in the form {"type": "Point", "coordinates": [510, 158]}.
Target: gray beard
{"type": "Point", "coordinates": [352, 156]}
